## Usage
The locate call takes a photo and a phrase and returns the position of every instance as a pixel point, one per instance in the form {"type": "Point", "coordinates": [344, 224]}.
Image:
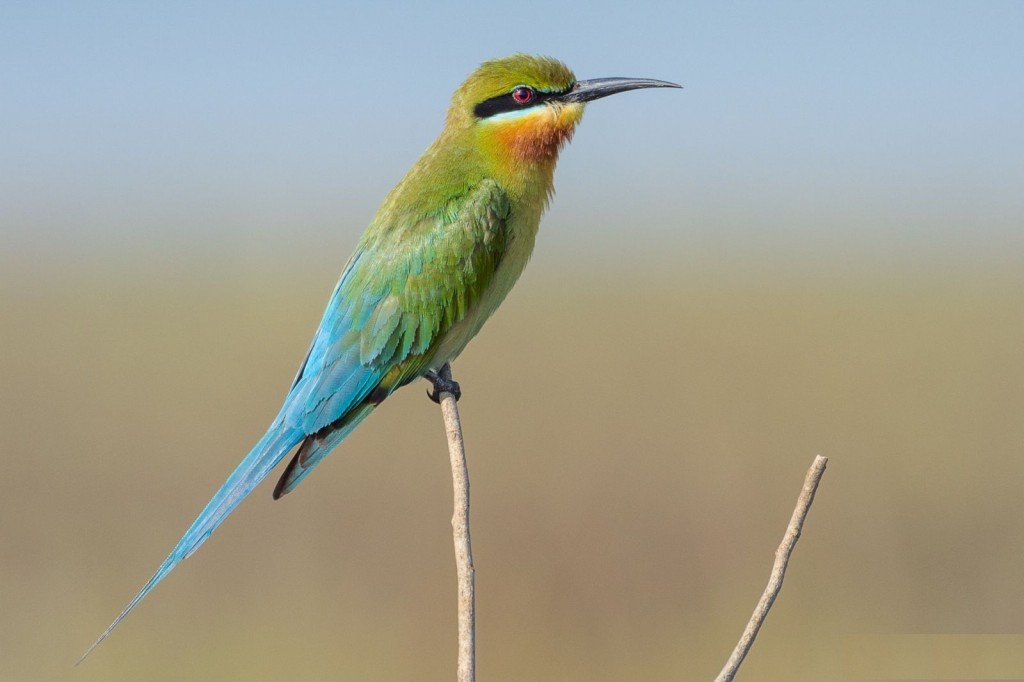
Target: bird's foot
{"type": "Point", "coordinates": [443, 383]}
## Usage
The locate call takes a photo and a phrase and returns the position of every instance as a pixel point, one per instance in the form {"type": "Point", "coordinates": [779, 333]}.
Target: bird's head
{"type": "Point", "coordinates": [523, 108]}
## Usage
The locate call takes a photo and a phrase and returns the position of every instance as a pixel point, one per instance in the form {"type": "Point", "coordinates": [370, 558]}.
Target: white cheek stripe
{"type": "Point", "coordinates": [539, 110]}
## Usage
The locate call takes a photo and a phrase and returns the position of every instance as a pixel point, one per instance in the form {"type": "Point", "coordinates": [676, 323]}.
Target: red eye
{"type": "Point", "coordinates": [522, 95]}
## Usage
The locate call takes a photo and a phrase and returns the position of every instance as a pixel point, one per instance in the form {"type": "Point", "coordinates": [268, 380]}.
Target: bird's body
{"type": "Point", "coordinates": [442, 252]}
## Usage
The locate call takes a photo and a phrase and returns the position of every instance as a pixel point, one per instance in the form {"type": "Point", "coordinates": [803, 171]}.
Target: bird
{"type": "Point", "coordinates": [443, 250]}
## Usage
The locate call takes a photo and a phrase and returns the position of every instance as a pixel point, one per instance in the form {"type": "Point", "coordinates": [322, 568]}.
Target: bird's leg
{"type": "Point", "coordinates": [443, 383]}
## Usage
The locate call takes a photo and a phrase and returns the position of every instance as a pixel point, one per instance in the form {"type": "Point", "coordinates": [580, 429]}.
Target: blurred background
{"type": "Point", "coordinates": [815, 247]}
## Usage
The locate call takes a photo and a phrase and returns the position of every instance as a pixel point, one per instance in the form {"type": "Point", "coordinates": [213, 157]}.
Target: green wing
{"type": "Point", "coordinates": [423, 278]}
{"type": "Point", "coordinates": [413, 277]}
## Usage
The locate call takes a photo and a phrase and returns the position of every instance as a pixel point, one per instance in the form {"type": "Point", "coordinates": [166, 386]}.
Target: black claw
{"type": "Point", "coordinates": [443, 383]}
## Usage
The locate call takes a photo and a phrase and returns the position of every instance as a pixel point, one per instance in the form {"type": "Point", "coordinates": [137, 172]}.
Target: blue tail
{"type": "Point", "coordinates": [333, 391]}
{"type": "Point", "coordinates": [274, 445]}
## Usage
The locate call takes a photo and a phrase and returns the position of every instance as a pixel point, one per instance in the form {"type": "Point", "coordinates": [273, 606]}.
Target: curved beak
{"type": "Point", "coordinates": [596, 88]}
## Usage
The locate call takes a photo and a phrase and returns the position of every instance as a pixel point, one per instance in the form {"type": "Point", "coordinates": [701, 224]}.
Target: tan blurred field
{"type": "Point", "coordinates": [636, 446]}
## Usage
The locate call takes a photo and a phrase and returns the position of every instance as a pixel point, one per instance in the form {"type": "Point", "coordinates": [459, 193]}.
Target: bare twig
{"type": "Point", "coordinates": [460, 534]}
{"type": "Point", "coordinates": [803, 505]}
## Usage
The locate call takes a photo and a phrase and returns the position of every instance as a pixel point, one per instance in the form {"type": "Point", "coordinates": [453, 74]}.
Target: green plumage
{"type": "Point", "coordinates": [438, 268]}
{"type": "Point", "coordinates": [454, 235]}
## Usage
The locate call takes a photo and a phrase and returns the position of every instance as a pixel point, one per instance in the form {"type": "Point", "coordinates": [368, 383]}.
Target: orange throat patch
{"type": "Point", "coordinates": [539, 134]}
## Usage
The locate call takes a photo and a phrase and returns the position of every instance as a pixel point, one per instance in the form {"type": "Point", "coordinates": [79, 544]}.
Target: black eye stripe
{"type": "Point", "coordinates": [507, 102]}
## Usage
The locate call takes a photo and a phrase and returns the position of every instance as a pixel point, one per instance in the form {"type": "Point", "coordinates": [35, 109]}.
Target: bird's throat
{"type": "Point", "coordinates": [535, 136]}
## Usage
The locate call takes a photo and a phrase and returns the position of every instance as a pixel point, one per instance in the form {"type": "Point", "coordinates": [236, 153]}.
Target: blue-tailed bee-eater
{"type": "Point", "coordinates": [437, 259]}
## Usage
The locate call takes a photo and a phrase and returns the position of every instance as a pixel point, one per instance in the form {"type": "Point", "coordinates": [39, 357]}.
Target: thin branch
{"type": "Point", "coordinates": [796, 523]}
{"type": "Point", "coordinates": [460, 534]}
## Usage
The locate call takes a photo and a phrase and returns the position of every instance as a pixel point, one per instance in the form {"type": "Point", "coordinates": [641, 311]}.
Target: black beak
{"type": "Point", "coordinates": [596, 88]}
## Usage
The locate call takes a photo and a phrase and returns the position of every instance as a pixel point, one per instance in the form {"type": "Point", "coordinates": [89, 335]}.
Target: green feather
{"type": "Point", "coordinates": [437, 272]}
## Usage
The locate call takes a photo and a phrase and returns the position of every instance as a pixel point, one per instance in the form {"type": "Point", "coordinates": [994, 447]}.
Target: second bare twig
{"type": "Point", "coordinates": [778, 573]}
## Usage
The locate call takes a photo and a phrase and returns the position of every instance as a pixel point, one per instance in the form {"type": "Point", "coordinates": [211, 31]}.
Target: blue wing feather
{"type": "Point", "coordinates": [317, 446]}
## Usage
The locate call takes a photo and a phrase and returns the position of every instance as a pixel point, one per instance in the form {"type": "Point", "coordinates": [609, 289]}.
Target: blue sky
{"type": "Point", "coordinates": [228, 126]}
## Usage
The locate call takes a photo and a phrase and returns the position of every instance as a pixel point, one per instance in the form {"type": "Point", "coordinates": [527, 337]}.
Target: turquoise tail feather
{"type": "Point", "coordinates": [270, 450]}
